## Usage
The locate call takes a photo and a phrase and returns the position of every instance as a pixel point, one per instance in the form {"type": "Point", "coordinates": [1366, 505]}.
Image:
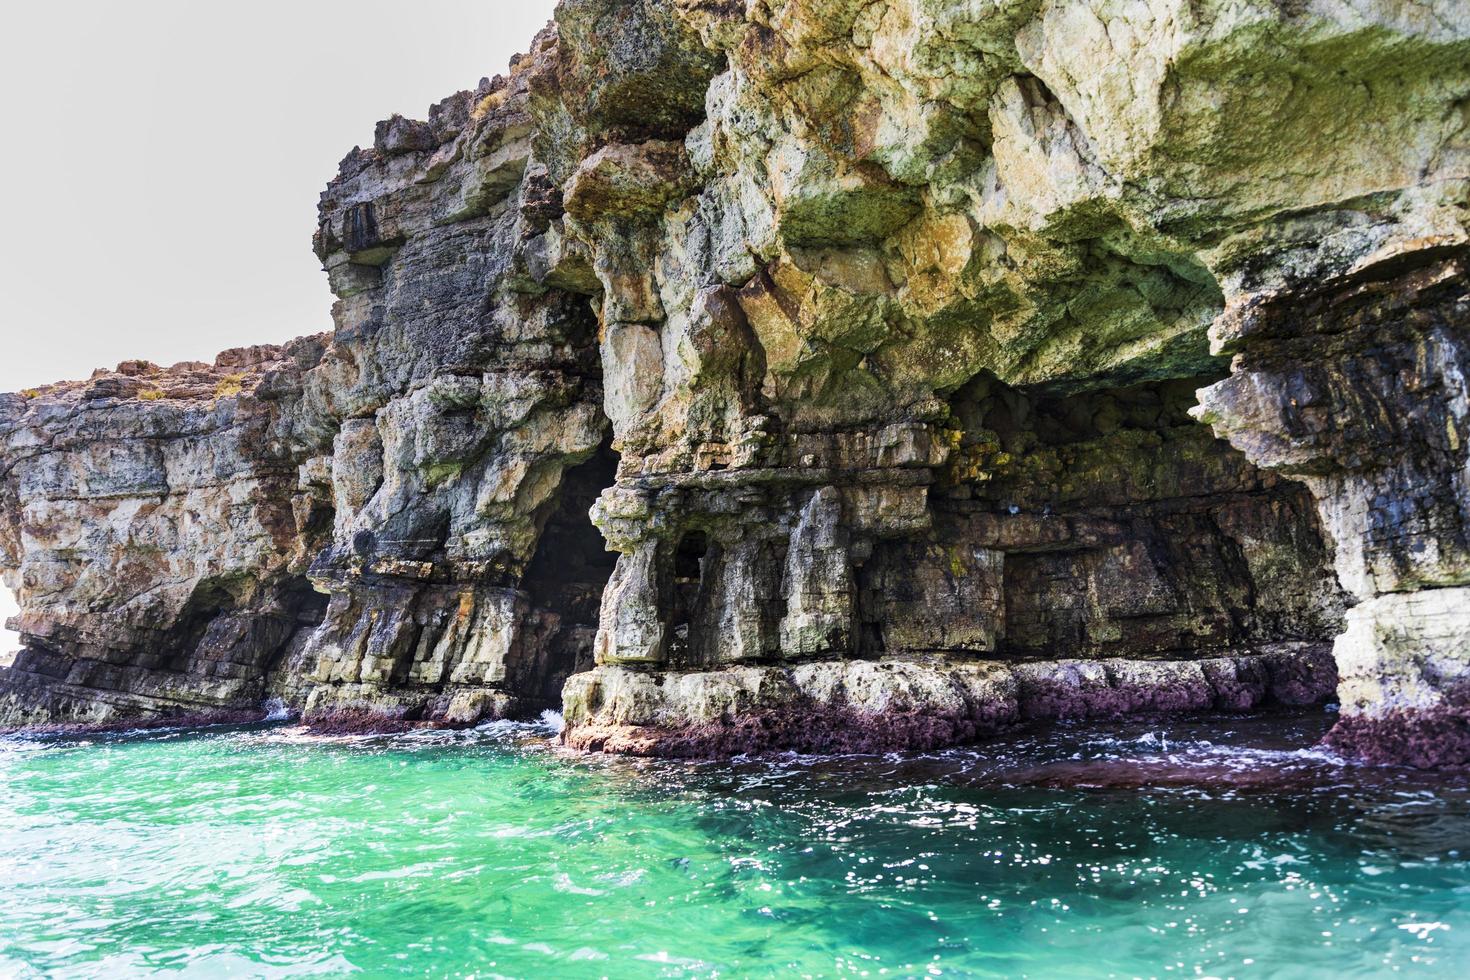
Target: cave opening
{"type": "Point", "coordinates": [1128, 529]}
{"type": "Point", "coordinates": [565, 581]}
{"type": "Point", "coordinates": [254, 626]}
{"type": "Point", "coordinates": [690, 558]}
{"type": "Point", "coordinates": [299, 610]}
{"type": "Point", "coordinates": [211, 602]}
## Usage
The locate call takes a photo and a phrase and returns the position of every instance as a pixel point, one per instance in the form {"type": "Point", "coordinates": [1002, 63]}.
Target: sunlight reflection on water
{"type": "Point", "coordinates": [1214, 846]}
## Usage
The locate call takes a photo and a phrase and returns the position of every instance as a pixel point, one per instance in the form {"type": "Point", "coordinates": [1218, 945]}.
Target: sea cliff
{"type": "Point", "coordinates": [819, 374]}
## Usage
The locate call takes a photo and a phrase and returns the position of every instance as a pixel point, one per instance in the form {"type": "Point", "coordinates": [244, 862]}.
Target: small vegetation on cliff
{"type": "Point", "coordinates": [230, 384]}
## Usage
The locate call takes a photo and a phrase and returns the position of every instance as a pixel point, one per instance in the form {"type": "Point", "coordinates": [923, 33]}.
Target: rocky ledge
{"type": "Point", "coordinates": [820, 375]}
{"type": "Point", "coordinates": [885, 703]}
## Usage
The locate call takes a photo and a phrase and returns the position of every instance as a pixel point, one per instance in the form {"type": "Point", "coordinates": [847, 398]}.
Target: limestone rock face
{"type": "Point", "coordinates": [153, 519]}
{"type": "Point", "coordinates": [870, 336]}
{"type": "Point", "coordinates": [1355, 385]}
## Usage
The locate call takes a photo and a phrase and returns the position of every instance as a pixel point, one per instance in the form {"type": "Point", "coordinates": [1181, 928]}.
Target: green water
{"type": "Point", "coordinates": [1207, 848]}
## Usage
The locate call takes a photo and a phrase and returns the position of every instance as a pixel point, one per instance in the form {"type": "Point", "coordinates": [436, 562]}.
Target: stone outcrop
{"type": "Point", "coordinates": [882, 704]}
{"type": "Point", "coordinates": [869, 334]}
{"type": "Point", "coordinates": [152, 521]}
{"type": "Point", "coordinates": [1355, 385]}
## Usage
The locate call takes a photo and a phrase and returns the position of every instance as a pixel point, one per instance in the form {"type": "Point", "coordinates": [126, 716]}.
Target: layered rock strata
{"type": "Point", "coordinates": [1355, 384]}
{"type": "Point", "coordinates": [874, 332]}
{"type": "Point", "coordinates": [153, 519]}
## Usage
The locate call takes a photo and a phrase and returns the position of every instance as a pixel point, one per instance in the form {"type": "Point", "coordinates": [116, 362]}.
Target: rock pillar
{"type": "Point", "coordinates": [1357, 388]}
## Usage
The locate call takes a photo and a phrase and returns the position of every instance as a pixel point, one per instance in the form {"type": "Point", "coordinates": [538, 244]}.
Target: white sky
{"type": "Point", "coordinates": [9, 642]}
{"type": "Point", "coordinates": [161, 162]}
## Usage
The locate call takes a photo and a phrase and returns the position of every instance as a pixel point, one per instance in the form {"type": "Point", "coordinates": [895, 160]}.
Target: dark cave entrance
{"type": "Point", "coordinates": [691, 557]}
{"type": "Point", "coordinates": [205, 616]}
{"type": "Point", "coordinates": [301, 609]}
{"type": "Point", "coordinates": [240, 622]}
{"type": "Point", "coordinates": [1127, 529]}
{"type": "Point", "coordinates": [565, 580]}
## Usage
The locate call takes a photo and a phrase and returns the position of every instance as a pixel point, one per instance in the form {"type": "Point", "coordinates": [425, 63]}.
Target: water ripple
{"type": "Point", "coordinates": [1214, 846]}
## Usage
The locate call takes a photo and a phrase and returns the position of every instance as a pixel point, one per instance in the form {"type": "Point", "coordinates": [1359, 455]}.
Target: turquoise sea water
{"type": "Point", "coordinates": [1204, 848]}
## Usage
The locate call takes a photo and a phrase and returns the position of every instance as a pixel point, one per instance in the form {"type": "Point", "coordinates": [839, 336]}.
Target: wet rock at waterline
{"type": "Point", "coordinates": [807, 374]}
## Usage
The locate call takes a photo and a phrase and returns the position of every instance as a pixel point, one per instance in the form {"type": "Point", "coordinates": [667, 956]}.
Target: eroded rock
{"type": "Point", "coordinates": [874, 331]}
